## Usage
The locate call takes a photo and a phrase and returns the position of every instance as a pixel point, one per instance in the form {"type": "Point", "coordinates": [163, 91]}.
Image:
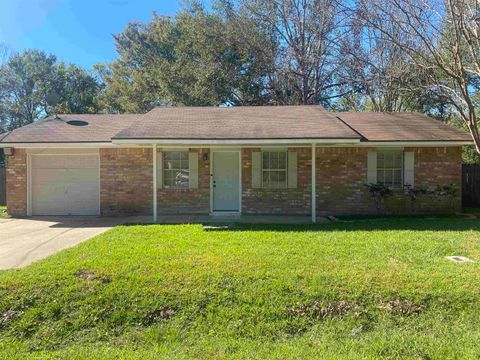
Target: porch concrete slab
{"type": "Point", "coordinates": [25, 240]}
{"type": "Point", "coordinates": [243, 219]}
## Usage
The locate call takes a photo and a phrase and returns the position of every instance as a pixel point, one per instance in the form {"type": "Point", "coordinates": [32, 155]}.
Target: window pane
{"type": "Point", "coordinates": [397, 163]}
{"type": "Point", "coordinates": [388, 177]}
{"type": "Point", "coordinates": [380, 161]}
{"type": "Point", "coordinates": [282, 163]}
{"type": "Point", "coordinates": [266, 178]}
{"type": "Point", "coordinates": [380, 178]}
{"type": "Point", "coordinates": [397, 174]}
{"type": "Point", "coordinates": [266, 160]}
{"type": "Point", "coordinates": [389, 168]}
{"type": "Point", "coordinates": [175, 169]}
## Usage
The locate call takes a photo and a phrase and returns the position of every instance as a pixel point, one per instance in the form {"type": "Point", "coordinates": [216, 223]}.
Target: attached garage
{"type": "Point", "coordinates": [64, 184]}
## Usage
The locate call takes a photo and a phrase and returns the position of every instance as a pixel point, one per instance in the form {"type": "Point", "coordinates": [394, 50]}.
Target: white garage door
{"type": "Point", "coordinates": [65, 185]}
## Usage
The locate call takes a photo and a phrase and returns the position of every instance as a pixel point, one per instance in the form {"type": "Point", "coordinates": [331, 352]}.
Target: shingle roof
{"type": "Point", "coordinates": [249, 122]}
{"type": "Point", "coordinates": [100, 128]}
{"type": "Point", "coordinates": [243, 122]}
{"type": "Point", "coordinates": [405, 126]}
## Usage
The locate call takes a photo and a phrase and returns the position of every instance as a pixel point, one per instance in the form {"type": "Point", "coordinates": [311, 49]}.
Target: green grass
{"type": "Point", "coordinates": [149, 292]}
{"type": "Point", "coordinates": [471, 210]}
{"type": "Point", "coordinates": [3, 212]}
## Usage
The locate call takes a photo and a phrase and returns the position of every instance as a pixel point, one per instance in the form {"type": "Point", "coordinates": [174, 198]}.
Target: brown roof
{"type": "Point", "coordinates": [242, 122]}
{"type": "Point", "coordinates": [100, 128]}
{"type": "Point", "coordinates": [401, 127]}
{"type": "Point", "coordinates": [249, 122]}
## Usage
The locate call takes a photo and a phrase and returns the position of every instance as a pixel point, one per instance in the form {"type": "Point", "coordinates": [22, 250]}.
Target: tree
{"type": "Point", "coordinates": [307, 61]}
{"type": "Point", "coordinates": [196, 58]}
{"type": "Point", "coordinates": [4, 53]}
{"type": "Point", "coordinates": [382, 77]}
{"type": "Point", "coordinates": [29, 79]}
{"type": "Point", "coordinates": [442, 39]}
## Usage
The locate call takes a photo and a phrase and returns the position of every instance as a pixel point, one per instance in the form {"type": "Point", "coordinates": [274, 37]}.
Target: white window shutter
{"type": "Point", "coordinates": [193, 170]}
{"type": "Point", "coordinates": [408, 168]}
{"type": "Point", "coordinates": [292, 169]}
{"type": "Point", "coordinates": [159, 169]}
{"type": "Point", "coordinates": [256, 170]}
{"type": "Point", "coordinates": [372, 167]}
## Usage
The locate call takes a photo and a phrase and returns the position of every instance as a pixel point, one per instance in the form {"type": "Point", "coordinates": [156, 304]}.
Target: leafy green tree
{"type": "Point", "coordinates": [34, 85]}
{"type": "Point", "coordinates": [197, 58]}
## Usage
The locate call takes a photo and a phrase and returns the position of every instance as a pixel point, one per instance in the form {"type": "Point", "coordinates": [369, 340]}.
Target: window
{"type": "Point", "coordinates": [175, 170]}
{"type": "Point", "coordinates": [274, 169]}
{"type": "Point", "coordinates": [390, 168]}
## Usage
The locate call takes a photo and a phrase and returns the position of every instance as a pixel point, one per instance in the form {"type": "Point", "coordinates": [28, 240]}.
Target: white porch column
{"type": "Point", "coordinates": [314, 185]}
{"type": "Point", "coordinates": [154, 159]}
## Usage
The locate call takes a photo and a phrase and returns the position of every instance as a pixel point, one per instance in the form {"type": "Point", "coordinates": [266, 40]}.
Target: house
{"type": "Point", "coordinates": [285, 160]}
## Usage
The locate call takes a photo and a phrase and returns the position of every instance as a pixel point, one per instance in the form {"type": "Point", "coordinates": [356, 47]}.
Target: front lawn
{"type": "Point", "coordinates": [366, 289]}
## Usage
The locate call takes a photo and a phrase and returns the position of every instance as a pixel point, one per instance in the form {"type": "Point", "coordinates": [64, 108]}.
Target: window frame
{"type": "Point", "coordinates": [278, 170]}
{"type": "Point", "coordinates": [177, 170]}
{"type": "Point", "coordinates": [392, 168]}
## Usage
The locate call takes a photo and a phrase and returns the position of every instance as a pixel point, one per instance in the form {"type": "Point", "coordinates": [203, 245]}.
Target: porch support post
{"type": "Point", "coordinates": [314, 185]}
{"type": "Point", "coordinates": [154, 160]}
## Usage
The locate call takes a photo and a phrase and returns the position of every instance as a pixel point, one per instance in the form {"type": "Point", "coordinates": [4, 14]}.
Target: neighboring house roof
{"type": "Point", "coordinates": [100, 128]}
{"type": "Point", "coordinates": [404, 126]}
{"type": "Point", "coordinates": [242, 123]}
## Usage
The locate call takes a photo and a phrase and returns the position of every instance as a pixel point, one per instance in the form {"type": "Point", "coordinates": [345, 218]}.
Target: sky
{"type": "Point", "coordinates": [77, 31]}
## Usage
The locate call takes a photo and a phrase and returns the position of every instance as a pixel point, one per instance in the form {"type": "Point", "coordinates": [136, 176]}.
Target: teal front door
{"type": "Point", "coordinates": [226, 181]}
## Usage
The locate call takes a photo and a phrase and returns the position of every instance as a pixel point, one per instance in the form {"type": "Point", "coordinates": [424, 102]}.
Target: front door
{"type": "Point", "coordinates": [226, 181]}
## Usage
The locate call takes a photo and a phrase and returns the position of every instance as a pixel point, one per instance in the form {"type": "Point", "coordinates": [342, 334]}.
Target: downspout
{"type": "Point", "coordinates": [154, 160]}
{"type": "Point", "coordinates": [314, 185]}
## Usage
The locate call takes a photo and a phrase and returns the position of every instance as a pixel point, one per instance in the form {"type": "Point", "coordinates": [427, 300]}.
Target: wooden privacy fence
{"type": "Point", "coordinates": [471, 184]}
{"type": "Point", "coordinates": [3, 187]}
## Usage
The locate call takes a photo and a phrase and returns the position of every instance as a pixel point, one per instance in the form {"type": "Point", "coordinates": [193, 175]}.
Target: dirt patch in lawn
{"type": "Point", "coordinates": [90, 275]}
{"type": "Point", "coordinates": [401, 306]}
{"type": "Point", "coordinates": [158, 315]}
{"type": "Point", "coordinates": [318, 310]}
{"type": "Point", "coordinates": [8, 316]}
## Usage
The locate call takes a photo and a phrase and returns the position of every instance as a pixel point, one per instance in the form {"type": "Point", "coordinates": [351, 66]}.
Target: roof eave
{"type": "Point", "coordinates": [157, 141]}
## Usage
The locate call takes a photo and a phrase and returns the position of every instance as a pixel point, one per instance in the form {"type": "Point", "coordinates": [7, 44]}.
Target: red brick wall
{"type": "Point", "coordinates": [342, 172]}
{"type": "Point", "coordinates": [279, 201]}
{"type": "Point", "coordinates": [438, 166]}
{"type": "Point", "coordinates": [17, 183]}
{"type": "Point", "coordinates": [189, 201]}
{"type": "Point", "coordinates": [126, 184]}
{"type": "Point", "coordinates": [341, 178]}
{"type": "Point", "coordinates": [126, 181]}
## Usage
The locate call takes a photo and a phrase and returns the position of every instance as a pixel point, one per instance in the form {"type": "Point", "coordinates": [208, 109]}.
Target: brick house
{"type": "Point", "coordinates": [283, 160]}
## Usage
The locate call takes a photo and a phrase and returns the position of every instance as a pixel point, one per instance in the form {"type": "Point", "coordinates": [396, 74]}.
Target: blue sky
{"type": "Point", "coordinates": [77, 31]}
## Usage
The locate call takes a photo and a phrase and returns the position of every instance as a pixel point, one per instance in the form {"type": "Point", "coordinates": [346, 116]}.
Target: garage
{"type": "Point", "coordinates": [64, 184]}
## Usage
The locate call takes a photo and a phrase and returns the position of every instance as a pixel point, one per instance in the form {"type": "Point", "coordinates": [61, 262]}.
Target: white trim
{"type": "Point", "coordinates": [225, 213]}
{"type": "Point", "coordinates": [64, 151]}
{"type": "Point", "coordinates": [314, 184]}
{"type": "Point", "coordinates": [245, 143]}
{"type": "Point", "coordinates": [154, 167]}
{"type": "Point", "coordinates": [239, 212]}
{"type": "Point", "coordinates": [58, 145]}
{"type": "Point", "coordinates": [234, 141]}
{"type": "Point", "coordinates": [414, 143]}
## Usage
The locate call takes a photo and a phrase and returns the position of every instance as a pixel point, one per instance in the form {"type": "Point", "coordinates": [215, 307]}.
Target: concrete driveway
{"type": "Point", "coordinates": [23, 241]}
